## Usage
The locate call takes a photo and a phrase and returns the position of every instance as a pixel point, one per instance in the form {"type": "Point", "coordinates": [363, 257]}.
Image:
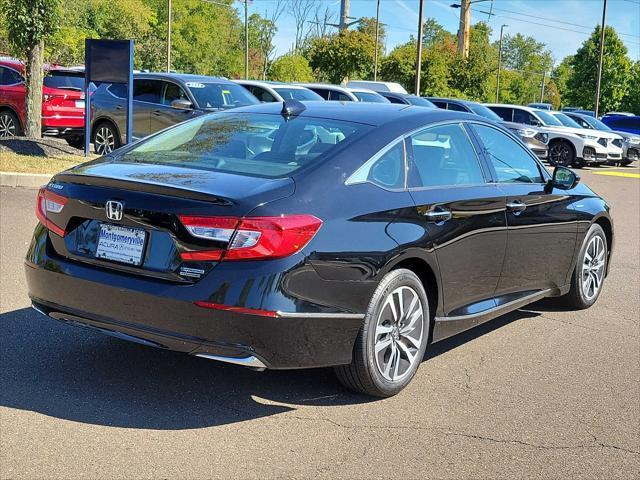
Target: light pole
{"type": "Point", "coordinates": [375, 57]}
{"type": "Point", "coordinates": [168, 35]}
{"type": "Point", "coordinates": [499, 63]}
{"type": "Point", "coordinates": [419, 52]}
{"type": "Point", "coordinates": [246, 41]}
{"type": "Point", "coordinates": [599, 77]}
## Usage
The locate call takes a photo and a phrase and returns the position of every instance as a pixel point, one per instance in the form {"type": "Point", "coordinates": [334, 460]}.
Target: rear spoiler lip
{"type": "Point", "coordinates": [140, 186]}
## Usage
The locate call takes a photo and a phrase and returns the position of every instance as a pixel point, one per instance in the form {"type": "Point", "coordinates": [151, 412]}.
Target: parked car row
{"type": "Point", "coordinates": [567, 138]}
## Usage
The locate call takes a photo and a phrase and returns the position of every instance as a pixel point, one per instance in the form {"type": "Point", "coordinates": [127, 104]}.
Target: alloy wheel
{"type": "Point", "coordinates": [7, 126]}
{"type": "Point", "coordinates": [104, 141]}
{"type": "Point", "coordinates": [593, 267]}
{"type": "Point", "coordinates": [399, 333]}
{"type": "Point", "coordinates": [560, 154]}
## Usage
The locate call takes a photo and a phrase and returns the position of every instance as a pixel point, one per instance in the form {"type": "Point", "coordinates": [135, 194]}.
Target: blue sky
{"type": "Point", "coordinates": [561, 24]}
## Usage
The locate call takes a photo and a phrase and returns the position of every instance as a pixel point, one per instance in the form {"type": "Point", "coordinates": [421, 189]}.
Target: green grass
{"type": "Point", "coordinates": [14, 162]}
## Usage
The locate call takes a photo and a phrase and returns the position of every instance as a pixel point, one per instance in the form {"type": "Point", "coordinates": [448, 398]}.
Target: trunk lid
{"type": "Point", "coordinates": [152, 197]}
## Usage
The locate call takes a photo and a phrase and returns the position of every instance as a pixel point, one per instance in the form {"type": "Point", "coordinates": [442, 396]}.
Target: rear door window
{"type": "Point", "coordinates": [261, 94]}
{"type": "Point", "coordinates": [322, 92]}
{"type": "Point", "coordinates": [504, 113]}
{"type": "Point", "coordinates": [145, 90]}
{"type": "Point", "coordinates": [443, 156]}
{"type": "Point", "coordinates": [9, 76]}
{"type": "Point", "coordinates": [455, 107]}
{"type": "Point", "coordinates": [512, 162]}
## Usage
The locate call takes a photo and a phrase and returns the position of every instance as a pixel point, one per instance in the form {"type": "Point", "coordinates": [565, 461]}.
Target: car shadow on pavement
{"type": "Point", "coordinates": [84, 376]}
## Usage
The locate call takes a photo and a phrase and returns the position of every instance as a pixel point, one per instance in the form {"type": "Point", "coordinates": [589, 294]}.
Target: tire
{"type": "Point", "coordinates": [401, 343]}
{"type": "Point", "coordinates": [76, 142]}
{"type": "Point", "coordinates": [561, 153]}
{"type": "Point", "coordinates": [9, 124]}
{"type": "Point", "coordinates": [105, 138]}
{"type": "Point", "coordinates": [580, 295]}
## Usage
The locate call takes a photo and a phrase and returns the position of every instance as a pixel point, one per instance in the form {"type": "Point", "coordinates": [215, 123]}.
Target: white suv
{"type": "Point", "coordinates": [277, 91]}
{"type": "Point", "coordinates": [568, 146]}
{"type": "Point", "coordinates": [345, 94]}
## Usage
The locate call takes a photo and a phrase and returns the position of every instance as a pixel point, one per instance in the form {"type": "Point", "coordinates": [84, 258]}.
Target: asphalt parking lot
{"type": "Point", "coordinates": [540, 393]}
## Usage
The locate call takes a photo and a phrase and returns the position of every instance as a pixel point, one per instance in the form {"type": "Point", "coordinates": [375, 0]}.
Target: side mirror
{"type": "Point", "coordinates": [563, 179]}
{"type": "Point", "coordinates": [182, 104]}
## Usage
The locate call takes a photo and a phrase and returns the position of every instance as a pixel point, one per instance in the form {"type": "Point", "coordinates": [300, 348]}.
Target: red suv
{"type": "Point", "coordinates": [62, 101]}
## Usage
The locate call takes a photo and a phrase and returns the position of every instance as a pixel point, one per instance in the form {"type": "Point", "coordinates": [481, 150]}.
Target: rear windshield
{"type": "Point", "coordinates": [221, 95]}
{"type": "Point", "coordinates": [484, 112]}
{"type": "Point", "coordinates": [370, 97]}
{"type": "Point", "coordinates": [299, 94]}
{"type": "Point", "coordinates": [421, 102]}
{"type": "Point", "coordinates": [65, 80]}
{"type": "Point", "coordinates": [248, 144]}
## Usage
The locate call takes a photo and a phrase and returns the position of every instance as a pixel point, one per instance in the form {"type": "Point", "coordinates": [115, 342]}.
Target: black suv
{"type": "Point", "coordinates": [159, 101]}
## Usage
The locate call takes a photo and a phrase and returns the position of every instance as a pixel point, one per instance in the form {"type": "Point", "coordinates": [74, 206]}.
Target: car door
{"type": "Point", "coordinates": [462, 213]}
{"type": "Point", "coordinates": [542, 224]}
{"type": "Point", "coordinates": [163, 115]}
{"type": "Point", "coordinates": [12, 91]}
{"type": "Point", "coordinates": [146, 98]}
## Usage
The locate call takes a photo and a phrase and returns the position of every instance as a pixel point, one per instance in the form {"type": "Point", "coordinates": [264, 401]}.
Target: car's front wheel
{"type": "Point", "coordinates": [561, 153]}
{"type": "Point", "coordinates": [9, 124]}
{"type": "Point", "coordinates": [590, 270]}
{"type": "Point", "coordinates": [393, 338]}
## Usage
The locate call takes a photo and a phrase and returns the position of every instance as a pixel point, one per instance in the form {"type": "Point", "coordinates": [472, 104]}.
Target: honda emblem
{"type": "Point", "coordinates": [114, 210]}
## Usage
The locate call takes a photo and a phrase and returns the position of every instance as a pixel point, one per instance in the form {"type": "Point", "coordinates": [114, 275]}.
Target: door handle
{"type": "Point", "coordinates": [438, 215]}
{"type": "Point", "coordinates": [119, 107]}
{"type": "Point", "coordinates": [157, 113]}
{"type": "Point", "coordinates": [516, 207]}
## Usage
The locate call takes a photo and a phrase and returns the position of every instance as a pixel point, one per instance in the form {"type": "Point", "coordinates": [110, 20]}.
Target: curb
{"type": "Point", "coordinates": [23, 180]}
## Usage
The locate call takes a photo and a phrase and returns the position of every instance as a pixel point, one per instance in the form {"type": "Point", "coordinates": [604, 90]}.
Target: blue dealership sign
{"type": "Point", "coordinates": [107, 61]}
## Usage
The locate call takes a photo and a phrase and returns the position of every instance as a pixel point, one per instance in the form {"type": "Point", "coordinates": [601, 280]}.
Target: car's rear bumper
{"type": "Point", "coordinates": [164, 315]}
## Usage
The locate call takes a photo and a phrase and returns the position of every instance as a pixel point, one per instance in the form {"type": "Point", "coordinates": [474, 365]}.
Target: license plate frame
{"type": "Point", "coordinates": [121, 244]}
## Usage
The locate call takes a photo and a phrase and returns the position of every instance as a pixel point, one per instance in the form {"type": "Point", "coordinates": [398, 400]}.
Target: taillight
{"type": "Point", "coordinates": [251, 238]}
{"type": "Point", "coordinates": [49, 202]}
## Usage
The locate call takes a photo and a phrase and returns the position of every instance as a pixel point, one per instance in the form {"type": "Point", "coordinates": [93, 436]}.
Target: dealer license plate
{"type": "Point", "coordinates": [121, 244]}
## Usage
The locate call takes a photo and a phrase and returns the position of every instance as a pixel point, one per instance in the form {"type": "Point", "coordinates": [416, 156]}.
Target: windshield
{"type": "Point", "coordinates": [299, 94]}
{"type": "Point", "coordinates": [567, 121]}
{"type": "Point", "coordinates": [65, 80]}
{"type": "Point", "coordinates": [220, 95]}
{"type": "Point", "coordinates": [422, 102]}
{"type": "Point", "coordinates": [595, 123]}
{"type": "Point", "coordinates": [370, 97]}
{"type": "Point", "coordinates": [484, 112]}
{"type": "Point", "coordinates": [549, 119]}
{"type": "Point", "coordinates": [247, 144]}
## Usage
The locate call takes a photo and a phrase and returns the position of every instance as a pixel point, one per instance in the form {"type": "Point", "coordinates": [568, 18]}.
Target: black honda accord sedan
{"type": "Point", "coordinates": [327, 234]}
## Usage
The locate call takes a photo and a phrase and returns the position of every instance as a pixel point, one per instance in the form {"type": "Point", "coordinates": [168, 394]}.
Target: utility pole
{"type": "Point", "coordinates": [544, 77]}
{"type": "Point", "coordinates": [463, 29]}
{"type": "Point", "coordinates": [599, 77]}
{"type": "Point", "coordinates": [168, 35]}
{"type": "Point", "coordinates": [375, 57]}
{"type": "Point", "coordinates": [344, 17]}
{"type": "Point", "coordinates": [246, 40]}
{"type": "Point", "coordinates": [499, 64]}
{"type": "Point", "coordinates": [419, 49]}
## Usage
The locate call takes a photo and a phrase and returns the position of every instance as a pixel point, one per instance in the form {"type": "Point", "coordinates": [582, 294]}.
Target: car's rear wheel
{"type": "Point", "coordinates": [75, 141]}
{"type": "Point", "coordinates": [561, 153]}
{"type": "Point", "coordinates": [9, 124]}
{"type": "Point", "coordinates": [590, 270]}
{"type": "Point", "coordinates": [393, 338]}
{"type": "Point", "coordinates": [105, 138]}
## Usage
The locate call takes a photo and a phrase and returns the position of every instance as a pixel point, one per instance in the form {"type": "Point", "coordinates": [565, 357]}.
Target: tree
{"type": "Point", "coordinates": [631, 102]}
{"type": "Point", "coordinates": [470, 76]}
{"type": "Point", "coordinates": [291, 68]}
{"type": "Point", "coordinates": [400, 65]}
{"type": "Point", "coordinates": [300, 11]}
{"type": "Point", "coordinates": [261, 33]}
{"type": "Point", "coordinates": [347, 54]}
{"type": "Point", "coordinates": [616, 68]}
{"type": "Point", "coordinates": [433, 32]}
{"type": "Point", "coordinates": [561, 75]}
{"type": "Point", "coordinates": [29, 24]}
